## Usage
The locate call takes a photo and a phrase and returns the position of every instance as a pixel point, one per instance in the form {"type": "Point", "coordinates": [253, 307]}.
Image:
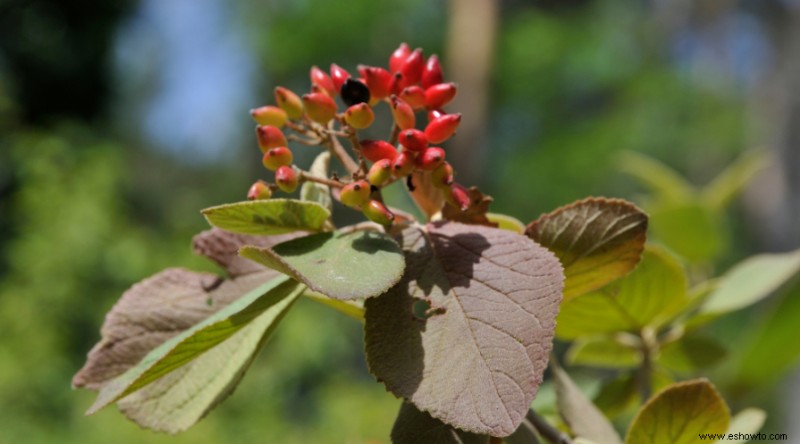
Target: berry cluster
{"type": "Point", "coordinates": [411, 85]}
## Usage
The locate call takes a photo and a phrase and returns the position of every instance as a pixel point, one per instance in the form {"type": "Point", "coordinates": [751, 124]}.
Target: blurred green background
{"type": "Point", "coordinates": [119, 121]}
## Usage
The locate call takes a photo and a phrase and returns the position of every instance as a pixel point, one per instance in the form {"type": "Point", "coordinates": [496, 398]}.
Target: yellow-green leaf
{"type": "Point", "coordinates": [679, 414]}
{"type": "Point", "coordinates": [271, 216]}
{"type": "Point", "coordinates": [603, 352]}
{"type": "Point", "coordinates": [506, 222]}
{"type": "Point", "coordinates": [745, 424]}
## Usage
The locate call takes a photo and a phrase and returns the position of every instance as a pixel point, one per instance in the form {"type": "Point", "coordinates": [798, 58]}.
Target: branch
{"type": "Point", "coordinates": [548, 432]}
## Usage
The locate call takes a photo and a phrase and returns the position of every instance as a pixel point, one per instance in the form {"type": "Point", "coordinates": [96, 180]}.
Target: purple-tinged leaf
{"type": "Point", "coordinates": [474, 358]}
{"type": "Point", "coordinates": [223, 247]}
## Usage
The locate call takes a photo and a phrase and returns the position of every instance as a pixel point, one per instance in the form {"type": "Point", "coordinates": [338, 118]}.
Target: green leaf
{"type": "Point", "coordinates": [651, 295]}
{"type": "Point", "coordinates": [465, 335]}
{"type": "Point", "coordinates": [222, 247]}
{"type": "Point", "coordinates": [415, 427]}
{"type": "Point", "coordinates": [750, 281]}
{"type": "Point", "coordinates": [317, 192]}
{"type": "Point", "coordinates": [583, 418]}
{"type": "Point", "coordinates": [679, 414]}
{"type": "Point", "coordinates": [747, 422]}
{"type": "Point", "coordinates": [273, 297]}
{"type": "Point", "coordinates": [691, 353]}
{"type": "Point", "coordinates": [727, 184]}
{"type": "Point", "coordinates": [353, 309]}
{"type": "Point", "coordinates": [506, 222]}
{"type": "Point", "coordinates": [597, 241]}
{"type": "Point", "coordinates": [271, 216]}
{"type": "Point", "coordinates": [358, 264]}
{"type": "Point", "coordinates": [603, 352]}
{"type": "Point", "coordinates": [617, 395]}
{"type": "Point", "coordinates": [179, 399]}
{"type": "Point", "coordinates": [663, 181]}
{"type": "Point", "coordinates": [691, 230]}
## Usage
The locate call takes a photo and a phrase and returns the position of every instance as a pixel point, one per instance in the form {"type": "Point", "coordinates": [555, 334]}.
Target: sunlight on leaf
{"type": "Point", "coordinates": [272, 216]}
{"type": "Point", "coordinates": [317, 192]}
{"type": "Point", "coordinates": [507, 222]}
{"type": "Point", "coordinates": [603, 352]}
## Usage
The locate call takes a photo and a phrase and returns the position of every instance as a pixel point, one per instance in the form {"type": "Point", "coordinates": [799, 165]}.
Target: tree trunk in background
{"type": "Point", "coordinates": [469, 50]}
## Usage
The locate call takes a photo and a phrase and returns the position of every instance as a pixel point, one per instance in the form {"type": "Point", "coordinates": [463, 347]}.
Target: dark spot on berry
{"type": "Point", "coordinates": [354, 92]}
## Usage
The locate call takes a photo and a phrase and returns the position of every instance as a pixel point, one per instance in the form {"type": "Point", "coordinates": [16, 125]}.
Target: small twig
{"type": "Point", "coordinates": [322, 180]}
{"type": "Point", "coordinates": [395, 133]}
{"type": "Point", "coordinates": [339, 152]}
{"type": "Point", "coordinates": [645, 371]}
{"type": "Point", "coordinates": [352, 136]}
{"type": "Point", "coordinates": [303, 140]}
{"type": "Point", "coordinates": [548, 432]}
{"type": "Point", "coordinates": [299, 128]}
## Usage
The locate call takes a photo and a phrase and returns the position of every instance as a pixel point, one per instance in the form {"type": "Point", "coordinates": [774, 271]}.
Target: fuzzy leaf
{"type": "Point", "coordinates": [223, 247]}
{"type": "Point", "coordinates": [271, 216]}
{"type": "Point", "coordinates": [652, 294]}
{"type": "Point", "coordinates": [603, 352]}
{"type": "Point", "coordinates": [583, 418]}
{"type": "Point", "coordinates": [179, 399]}
{"type": "Point", "coordinates": [597, 241]}
{"type": "Point", "coordinates": [475, 358]}
{"type": "Point", "coordinates": [273, 297]}
{"type": "Point", "coordinates": [415, 427]}
{"type": "Point", "coordinates": [750, 281]}
{"type": "Point", "coordinates": [317, 192]}
{"type": "Point", "coordinates": [679, 414]}
{"type": "Point", "coordinates": [153, 311]}
{"type": "Point", "coordinates": [691, 353]}
{"type": "Point", "coordinates": [354, 265]}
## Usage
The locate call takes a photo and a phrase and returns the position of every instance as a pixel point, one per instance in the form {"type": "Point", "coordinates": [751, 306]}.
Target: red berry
{"type": "Point", "coordinates": [442, 128]}
{"type": "Point", "coordinates": [275, 158]}
{"type": "Point", "coordinates": [380, 172]}
{"type": "Point", "coordinates": [321, 79]}
{"type": "Point", "coordinates": [398, 57]}
{"type": "Point", "coordinates": [286, 179]}
{"type": "Point", "coordinates": [439, 95]}
{"type": "Point", "coordinates": [377, 212]}
{"type": "Point", "coordinates": [434, 114]}
{"type": "Point", "coordinates": [355, 194]}
{"type": "Point", "coordinates": [289, 102]}
{"type": "Point", "coordinates": [414, 96]}
{"type": "Point", "coordinates": [379, 82]}
{"type": "Point", "coordinates": [269, 137]}
{"type": "Point", "coordinates": [412, 67]}
{"type": "Point", "coordinates": [403, 114]}
{"type": "Point", "coordinates": [375, 150]}
{"type": "Point", "coordinates": [359, 116]}
{"type": "Point", "coordinates": [430, 159]}
{"type": "Point", "coordinates": [258, 191]}
{"type": "Point", "coordinates": [442, 176]}
{"type": "Point", "coordinates": [413, 139]}
{"type": "Point", "coordinates": [403, 164]}
{"type": "Point", "coordinates": [432, 73]}
{"type": "Point", "coordinates": [319, 107]}
{"type": "Point", "coordinates": [338, 75]}
{"type": "Point", "coordinates": [269, 115]}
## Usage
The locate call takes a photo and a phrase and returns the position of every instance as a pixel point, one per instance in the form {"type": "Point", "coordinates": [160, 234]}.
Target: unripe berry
{"type": "Point", "coordinates": [354, 92]}
{"type": "Point", "coordinates": [377, 212]}
{"type": "Point", "coordinates": [275, 158]}
{"type": "Point", "coordinates": [403, 164]}
{"type": "Point", "coordinates": [442, 176]}
{"type": "Point", "coordinates": [258, 191]}
{"type": "Point", "coordinates": [432, 73]}
{"type": "Point", "coordinates": [412, 67]}
{"type": "Point", "coordinates": [286, 179]}
{"type": "Point", "coordinates": [323, 80]}
{"type": "Point", "coordinates": [338, 75]}
{"type": "Point", "coordinates": [414, 96]}
{"type": "Point", "coordinates": [269, 137]}
{"type": "Point", "coordinates": [379, 82]}
{"type": "Point", "coordinates": [413, 139]}
{"type": "Point", "coordinates": [402, 113]}
{"type": "Point", "coordinates": [442, 128]}
{"type": "Point", "coordinates": [355, 194]}
{"type": "Point", "coordinates": [399, 57]}
{"type": "Point", "coordinates": [319, 107]}
{"type": "Point", "coordinates": [430, 159]}
{"type": "Point", "coordinates": [458, 196]}
{"type": "Point", "coordinates": [439, 95]}
{"type": "Point", "coordinates": [289, 102]}
{"type": "Point", "coordinates": [269, 115]}
{"type": "Point", "coordinates": [359, 116]}
{"type": "Point", "coordinates": [375, 150]}
{"type": "Point", "coordinates": [380, 172]}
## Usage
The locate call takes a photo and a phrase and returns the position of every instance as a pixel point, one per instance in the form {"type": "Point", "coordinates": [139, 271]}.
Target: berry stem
{"type": "Point", "coordinates": [303, 140]}
{"type": "Point", "coordinates": [352, 136]}
{"type": "Point", "coordinates": [305, 176]}
{"type": "Point", "coordinates": [394, 135]}
{"type": "Point", "coordinates": [339, 152]}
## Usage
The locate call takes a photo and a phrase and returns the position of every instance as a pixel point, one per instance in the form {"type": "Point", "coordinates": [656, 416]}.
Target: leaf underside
{"type": "Point", "coordinates": [475, 358]}
{"type": "Point", "coordinates": [597, 241]}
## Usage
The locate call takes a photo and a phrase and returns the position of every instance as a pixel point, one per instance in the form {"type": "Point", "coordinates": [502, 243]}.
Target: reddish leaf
{"type": "Point", "coordinates": [475, 358]}
{"type": "Point", "coordinates": [475, 214]}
